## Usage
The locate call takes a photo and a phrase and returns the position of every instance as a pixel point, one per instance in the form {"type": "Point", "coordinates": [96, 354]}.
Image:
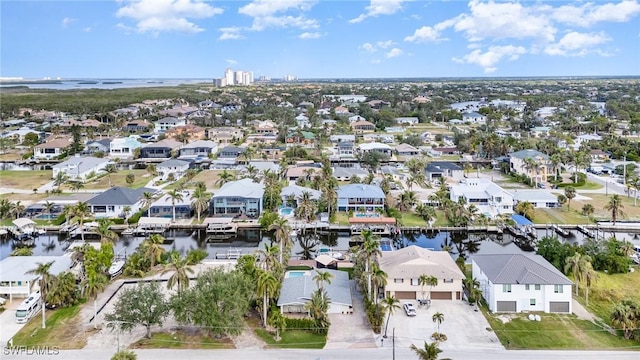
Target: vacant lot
{"type": "Point", "coordinates": [142, 177]}
{"type": "Point", "coordinates": [27, 180]}
{"type": "Point", "coordinates": [182, 339]}
{"type": "Point", "coordinates": [63, 330]}
{"type": "Point", "coordinates": [209, 177]}
{"type": "Point", "coordinates": [599, 201]}
{"type": "Point", "coordinates": [560, 216]}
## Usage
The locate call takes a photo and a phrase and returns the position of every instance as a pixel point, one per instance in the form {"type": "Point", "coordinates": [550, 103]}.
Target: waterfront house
{"type": "Point", "coordinates": [19, 135]}
{"type": "Point", "coordinates": [306, 172]}
{"type": "Point", "coordinates": [295, 192]}
{"type": "Point", "coordinates": [376, 147]}
{"type": "Point", "coordinates": [410, 121]}
{"type": "Point", "coordinates": [80, 168]}
{"type": "Point", "coordinates": [200, 148]}
{"type": "Point", "coordinates": [296, 292]}
{"type": "Point", "coordinates": [238, 198]}
{"type": "Point", "coordinates": [98, 146]}
{"type": "Point", "coordinates": [230, 152]}
{"type": "Point", "coordinates": [490, 199]}
{"type": "Point", "coordinates": [342, 137]}
{"type": "Point", "coordinates": [539, 198]}
{"type": "Point", "coordinates": [406, 150]}
{"type": "Point", "coordinates": [345, 149]}
{"type": "Point", "coordinates": [530, 163]}
{"type": "Point", "coordinates": [405, 266]}
{"type": "Point", "coordinates": [52, 149]}
{"type": "Point", "coordinates": [172, 168]}
{"type": "Point", "coordinates": [112, 202]}
{"type": "Point", "coordinates": [167, 123]}
{"type": "Point", "coordinates": [303, 139]}
{"type": "Point", "coordinates": [599, 156]}
{"type": "Point", "coordinates": [225, 135]}
{"type": "Point", "coordinates": [356, 118]}
{"type": "Point", "coordinates": [16, 279]}
{"type": "Point", "coordinates": [362, 126]}
{"type": "Point", "coordinates": [360, 196]}
{"type": "Point", "coordinates": [443, 169]}
{"type": "Point", "coordinates": [346, 173]}
{"type": "Point", "coordinates": [161, 149]}
{"type": "Point", "coordinates": [136, 126]}
{"type": "Point", "coordinates": [124, 147]}
{"type": "Point", "coordinates": [518, 282]}
{"type": "Point", "coordinates": [163, 207]}
{"type": "Point", "coordinates": [185, 133]}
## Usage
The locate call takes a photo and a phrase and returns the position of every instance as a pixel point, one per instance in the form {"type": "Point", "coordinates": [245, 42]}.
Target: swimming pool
{"type": "Point", "coordinates": [292, 274]}
{"type": "Point", "coordinates": [46, 217]}
{"type": "Point", "coordinates": [286, 211]}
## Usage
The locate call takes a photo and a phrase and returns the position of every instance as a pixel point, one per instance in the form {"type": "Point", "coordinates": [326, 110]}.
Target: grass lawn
{"type": "Point", "coordinates": [441, 219]}
{"type": "Point", "coordinates": [27, 180]}
{"type": "Point", "coordinates": [293, 339]}
{"type": "Point", "coordinates": [411, 219]}
{"type": "Point", "coordinates": [600, 200]}
{"type": "Point", "coordinates": [342, 218]}
{"type": "Point", "coordinates": [182, 340]}
{"type": "Point", "coordinates": [142, 177]}
{"type": "Point", "coordinates": [553, 332]}
{"type": "Point", "coordinates": [24, 197]}
{"type": "Point", "coordinates": [560, 216]}
{"type": "Point", "coordinates": [63, 330]}
{"type": "Point", "coordinates": [209, 177]}
{"type": "Point", "coordinates": [589, 185]}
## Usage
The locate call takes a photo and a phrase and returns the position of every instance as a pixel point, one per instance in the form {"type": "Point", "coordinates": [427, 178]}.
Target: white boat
{"type": "Point", "coordinates": [128, 231]}
{"type": "Point", "coordinates": [116, 267]}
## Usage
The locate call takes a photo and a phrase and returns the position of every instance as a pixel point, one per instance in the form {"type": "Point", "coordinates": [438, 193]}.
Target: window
{"type": "Point", "coordinates": [448, 281]}
{"type": "Point", "coordinates": [537, 287]}
{"type": "Point", "coordinates": [506, 288]}
{"type": "Point", "coordinates": [526, 287]}
{"type": "Point", "coordinates": [415, 282]}
{"type": "Point", "coordinates": [557, 289]}
{"type": "Point", "coordinates": [532, 302]}
{"type": "Point", "coordinates": [398, 281]}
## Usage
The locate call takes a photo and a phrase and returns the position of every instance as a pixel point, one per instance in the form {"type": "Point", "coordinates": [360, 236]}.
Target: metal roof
{"type": "Point", "coordinates": [15, 268]}
{"type": "Point", "coordinates": [519, 269]}
{"type": "Point", "coordinates": [245, 188]}
{"type": "Point", "coordinates": [118, 195]}
{"type": "Point", "coordinates": [360, 191]}
{"type": "Point", "coordinates": [298, 290]}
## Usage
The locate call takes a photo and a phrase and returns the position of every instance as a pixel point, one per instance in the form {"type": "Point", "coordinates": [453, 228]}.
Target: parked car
{"type": "Point", "coordinates": [540, 186]}
{"type": "Point", "coordinates": [409, 309]}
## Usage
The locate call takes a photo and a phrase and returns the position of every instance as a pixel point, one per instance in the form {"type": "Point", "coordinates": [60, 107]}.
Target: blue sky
{"type": "Point", "coordinates": [319, 39]}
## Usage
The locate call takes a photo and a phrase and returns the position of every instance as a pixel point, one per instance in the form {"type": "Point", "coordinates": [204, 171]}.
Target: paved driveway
{"type": "Point", "coordinates": [465, 328]}
{"type": "Point", "coordinates": [8, 325]}
{"type": "Point", "coordinates": [351, 331]}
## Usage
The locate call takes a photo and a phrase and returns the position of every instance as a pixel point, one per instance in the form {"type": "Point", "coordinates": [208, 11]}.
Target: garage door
{"type": "Point", "coordinates": [559, 306]}
{"type": "Point", "coordinates": [405, 295]}
{"type": "Point", "coordinates": [441, 295]}
{"type": "Point", "coordinates": [505, 306]}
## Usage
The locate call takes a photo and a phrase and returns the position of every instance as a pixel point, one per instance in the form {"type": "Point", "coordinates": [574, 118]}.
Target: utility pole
{"type": "Point", "coordinates": [393, 343]}
{"type": "Point", "coordinates": [624, 170]}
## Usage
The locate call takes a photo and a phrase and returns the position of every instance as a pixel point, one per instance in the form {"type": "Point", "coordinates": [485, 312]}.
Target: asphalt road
{"type": "Point", "coordinates": [349, 354]}
{"type": "Point", "coordinates": [610, 186]}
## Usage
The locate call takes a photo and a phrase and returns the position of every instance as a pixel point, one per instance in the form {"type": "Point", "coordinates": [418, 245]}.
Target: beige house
{"type": "Point", "coordinates": [531, 163]}
{"type": "Point", "coordinates": [405, 266]}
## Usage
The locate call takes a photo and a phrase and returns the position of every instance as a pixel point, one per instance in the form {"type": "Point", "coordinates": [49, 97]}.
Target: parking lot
{"type": "Point", "coordinates": [464, 327]}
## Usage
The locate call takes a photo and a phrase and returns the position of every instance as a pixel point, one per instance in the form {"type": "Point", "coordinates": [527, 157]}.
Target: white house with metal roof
{"type": "Point", "coordinates": [360, 196]}
{"type": "Point", "coordinates": [124, 147]}
{"type": "Point", "coordinates": [489, 198]}
{"type": "Point", "coordinates": [237, 198]}
{"type": "Point", "coordinates": [172, 166]}
{"type": "Point", "coordinates": [539, 198]}
{"type": "Point", "coordinates": [14, 280]}
{"type": "Point", "coordinates": [518, 282]}
{"type": "Point", "coordinates": [80, 168]}
{"type": "Point", "coordinates": [297, 290]}
{"type": "Point", "coordinates": [296, 192]}
{"type": "Point", "coordinates": [112, 202]}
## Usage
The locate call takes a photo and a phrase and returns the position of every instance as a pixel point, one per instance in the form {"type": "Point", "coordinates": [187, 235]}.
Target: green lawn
{"type": "Point", "coordinates": [293, 339]}
{"type": "Point", "coordinates": [26, 180]}
{"type": "Point", "coordinates": [411, 219]}
{"type": "Point", "coordinates": [553, 332]}
{"type": "Point", "coordinates": [560, 216]}
{"type": "Point", "coordinates": [182, 340]}
{"type": "Point", "coordinates": [142, 177]}
{"type": "Point", "coordinates": [342, 218]}
{"type": "Point", "coordinates": [63, 330]}
{"type": "Point", "coordinates": [589, 185]}
{"type": "Point", "coordinates": [441, 219]}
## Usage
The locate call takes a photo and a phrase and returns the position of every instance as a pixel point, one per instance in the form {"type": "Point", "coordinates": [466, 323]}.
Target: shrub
{"type": "Point", "coordinates": [59, 220]}
{"type": "Point", "coordinates": [439, 336]}
{"type": "Point", "coordinates": [300, 323]}
{"type": "Point", "coordinates": [136, 217]}
{"type": "Point", "coordinates": [375, 314]}
{"type": "Point", "coordinates": [118, 221]}
{"type": "Point", "coordinates": [195, 256]}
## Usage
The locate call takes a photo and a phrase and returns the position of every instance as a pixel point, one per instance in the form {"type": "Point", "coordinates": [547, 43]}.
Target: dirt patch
{"type": "Point", "coordinates": [504, 318]}
{"type": "Point", "coordinates": [183, 338]}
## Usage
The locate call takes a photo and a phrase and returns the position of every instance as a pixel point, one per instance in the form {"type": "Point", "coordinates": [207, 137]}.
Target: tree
{"type": "Point", "coordinates": [426, 212]}
{"type": "Point", "coordinates": [588, 210]}
{"type": "Point", "coordinates": [615, 207]}
{"type": "Point", "coordinates": [92, 285]}
{"type": "Point", "coordinates": [153, 248]}
{"type": "Point", "coordinates": [438, 318]}
{"type": "Point", "coordinates": [143, 304]}
{"type": "Point", "coordinates": [79, 213]}
{"type": "Point", "coordinates": [590, 277]}
{"type": "Point", "coordinates": [281, 230]}
{"type": "Point", "coordinates": [110, 169]}
{"type": "Point", "coordinates": [181, 270]}
{"type": "Point", "coordinates": [130, 178]}
{"type": "Point", "coordinates": [175, 195]}
{"type": "Point", "coordinates": [318, 307]}
{"type": "Point", "coordinates": [231, 291]}
{"type": "Point", "coordinates": [42, 270]}
{"type": "Point", "coordinates": [125, 355]}
{"type": "Point", "coordinates": [63, 290]}
{"type": "Point", "coordinates": [279, 322]}
{"type": "Point", "coordinates": [429, 280]}
{"type": "Point", "coordinates": [22, 251]}
{"type": "Point", "coordinates": [147, 199]}
{"type": "Point", "coordinates": [578, 265]}
{"type": "Point", "coordinates": [429, 352]}
{"type": "Point", "coordinates": [525, 209]}
{"type": "Point", "coordinates": [104, 230]}
{"type": "Point", "coordinates": [626, 316]}
{"type": "Point", "coordinates": [267, 287]}
{"type": "Point", "coordinates": [391, 304]}
{"type": "Point", "coordinates": [47, 207]}
{"type": "Point", "coordinates": [200, 201]}
{"type": "Point", "coordinates": [223, 178]}
{"type": "Point", "coordinates": [60, 179]}
{"type": "Point", "coordinates": [378, 280]}
{"type": "Point", "coordinates": [322, 277]}
{"type": "Point", "coordinates": [569, 193]}
{"type": "Point", "coordinates": [17, 209]}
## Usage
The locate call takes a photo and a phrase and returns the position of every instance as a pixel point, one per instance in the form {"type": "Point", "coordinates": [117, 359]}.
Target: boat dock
{"type": "Point", "coordinates": [220, 226]}
{"type": "Point", "coordinates": [562, 232]}
{"type": "Point", "coordinates": [231, 254]}
{"type": "Point", "coordinates": [585, 231]}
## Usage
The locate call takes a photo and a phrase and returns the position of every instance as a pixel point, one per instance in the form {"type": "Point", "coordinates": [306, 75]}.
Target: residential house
{"type": "Point", "coordinates": [124, 147]}
{"type": "Point", "coordinates": [167, 123]}
{"type": "Point", "coordinates": [297, 172]}
{"type": "Point", "coordinates": [377, 147]}
{"type": "Point", "coordinates": [340, 138]}
{"type": "Point", "coordinates": [303, 121]}
{"type": "Point", "coordinates": [136, 126]}
{"type": "Point", "coordinates": [360, 196]}
{"type": "Point", "coordinates": [231, 152]}
{"type": "Point", "coordinates": [345, 149]}
{"type": "Point", "coordinates": [98, 146]}
{"type": "Point", "coordinates": [80, 168]}
{"type": "Point", "coordinates": [490, 199]}
{"type": "Point", "coordinates": [341, 111]}
{"type": "Point", "coordinates": [540, 131]}
{"type": "Point", "coordinates": [185, 133]}
{"type": "Point", "coordinates": [443, 169]}
{"type": "Point", "coordinates": [531, 163]}
{"type": "Point", "coordinates": [296, 292]}
{"type": "Point", "coordinates": [346, 173]}
{"type": "Point", "coordinates": [172, 168]}
{"type": "Point", "coordinates": [51, 149]}
{"type": "Point", "coordinates": [295, 192]}
{"type": "Point", "coordinates": [113, 202]}
{"type": "Point", "coordinates": [518, 282]}
{"type": "Point", "coordinates": [405, 266]}
{"type": "Point", "coordinates": [599, 156]}
{"type": "Point", "coordinates": [260, 139]}
{"type": "Point", "coordinates": [238, 198]}
{"type": "Point", "coordinates": [408, 121]}
{"type": "Point", "coordinates": [161, 149]}
{"type": "Point", "coordinates": [17, 279]}
{"type": "Point", "coordinates": [539, 198]}
{"type": "Point", "coordinates": [304, 139]}
{"type": "Point", "coordinates": [393, 172]}
{"type": "Point", "coordinates": [263, 166]}
{"type": "Point", "coordinates": [199, 148]}
{"type": "Point", "coordinates": [440, 151]}
{"type": "Point", "coordinates": [584, 138]}
{"type": "Point", "coordinates": [266, 128]}
{"type": "Point", "coordinates": [362, 126]}
{"type": "Point", "coordinates": [225, 135]}
{"type": "Point", "coordinates": [473, 118]}
{"type": "Point", "coordinates": [356, 118]}
{"type": "Point", "coordinates": [164, 206]}
{"type": "Point", "coordinates": [406, 150]}
{"type": "Point", "coordinates": [19, 135]}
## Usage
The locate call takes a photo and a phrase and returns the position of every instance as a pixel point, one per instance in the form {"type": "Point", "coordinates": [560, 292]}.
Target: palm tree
{"type": "Point", "coordinates": [525, 209]}
{"type": "Point", "coordinates": [391, 304]}
{"type": "Point", "coordinates": [42, 270]}
{"type": "Point", "coordinates": [321, 277]}
{"type": "Point", "coordinates": [623, 317]}
{"type": "Point", "coordinates": [307, 208]}
{"type": "Point", "coordinates": [378, 279]}
{"type": "Point", "coordinates": [175, 195]}
{"type": "Point", "coordinates": [200, 201]}
{"type": "Point", "coordinates": [47, 207]}
{"type": "Point", "coordinates": [429, 352]}
{"type": "Point", "coordinates": [17, 209]}
{"type": "Point", "coordinates": [60, 179]}
{"type": "Point", "coordinates": [281, 230]}
{"type": "Point", "coordinates": [126, 210]}
{"type": "Point", "coordinates": [79, 212]}
{"type": "Point", "coordinates": [429, 280]}
{"type": "Point", "coordinates": [75, 185]}
{"type": "Point", "coordinates": [104, 230]}
{"type": "Point", "coordinates": [588, 210]}
{"type": "Point", "coordinates": [615, 206]}
{"type": "Point", "coordinates": [93, 285]}
{"type": "Point", "coordinates": [370, 250]}
{"type": "Point", "coordinates": [578, 265]}
{"type": "Point", "coordinates": [154, 249]}
{"type": "Point", "coordinates": [569, 193]}
{"type": "Point", "coordinates": [438, 318]}
{"type": "Point", "coordinates": [223, 178]}
{"type": "Point", "coordinates": [181, 271]}
{"type": "Point", "coordinates": [147, 199]}
{"type": "Point", "coordinates": [110, 169]}
{"type": "Point", "coordinates": [590, 277]}
{"type": "Point", "coordinates": [267, 286]}
{"type": "Point", "coordinates": [426, 212]}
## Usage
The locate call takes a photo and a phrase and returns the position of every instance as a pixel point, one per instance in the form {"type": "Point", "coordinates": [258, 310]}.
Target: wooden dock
{"type": "Point", "coordinates": [562, 232]}
{"type": "Point", "coordinates": [585, 231]}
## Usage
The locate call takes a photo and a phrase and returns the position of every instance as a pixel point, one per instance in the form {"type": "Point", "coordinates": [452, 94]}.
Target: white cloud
{"type": "Point", "coordinates": [424, 34]}
{"type": "Point", "coordinates": [491, 57]}
{"type": "Point", "coordinates": [577, 44]}
{"type": "Point", "coordinates": [67, 21]}
{"type": "Point", "coordinates": [87, 29]}
{"type": "Point", "coordinates": [265, 14]}
{"type": "Point", "coordinates": [395, 52]}
{"type": "Point", "coordinates": [378, 45]}
{"type": "Point", "coordinates": [368, 47]}
{"type": "Point", "coordinates": [310, 35]}
{"type": "Point", "coordinates": [379, 7]}
{"type": "Point", "coordinates": [230, 33]}
{"type": "Point", "coordinates": [167, 15]}
{"type": "Point", "coordinates": [385, 44]}
{"type": "Point", "coordinates": [124, 28]}
{"type": "Point", "coordinates": [231, 62]}
{"type": "Point", "coordinates": [588, 14]}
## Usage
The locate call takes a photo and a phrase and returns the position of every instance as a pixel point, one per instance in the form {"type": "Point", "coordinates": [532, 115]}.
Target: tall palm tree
{"type": "Point", "coordinates": [321, 277]}
{"type": "Point", "coordinates": [223, 178]}
{"type": "Point", "coordinates": [269, 258]}
{"type": "Point", "coordinates": [615, 206]}
{"type": "Point", "coordinates": [147, 199]}
{"type": "Point", "coordinates": [17, 209]}
{"type": "Point", "coordinates": [429, 352]}
{"type": "Point", "coordinates": [429, 280]}
{"type": "Point", "coordinates": [42, 270]}
{"type": "Point", "coordinates": [578, 265]}
{"type": "Point", "coordinates": [378, 279]}
{"type": "Point", "coordinates": [281, 229]}
{"type": "Point", "coordinates": [79, 212]}
{"type": "Point", "coordinates": [104, 230]}
{"type": "Point", "coordinates": [110, 169]}
{"type": "Point", "coordinates": [175, 195]}
{"type": "Point", "coordinates": [590, 277]}
{"type": "Point", "coordinates": [391, 304]}
{"type": "Point", "coordinates": [370, 251]}
{"type": "Point", "coordinates": [200, 201]}
{"type": "Point", "coordinates": [438, 318]}
{"type": "Point", "coordinates": [93, 285]}
{"type": "Point", "coordinates": [181, 271]}
{"type": "Point", "coordinates": [154, 249]}
{"type": "Point", "coordinates": [47, 207]}
{"type": "Point", "coordinates": [267, 286]}
{"type": "Point", "coordinates": [307, 208]}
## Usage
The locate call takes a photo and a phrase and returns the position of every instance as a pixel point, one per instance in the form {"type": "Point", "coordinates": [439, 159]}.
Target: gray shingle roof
{"type": "Point", "coordinates": [118, 195]}
{"type": "Point", "coordinates": [298, 290]}
{"type": "Point", "coordinates": [245, 188]}
{"type": "Point", "coordinates": [529, 153]}
{"type": "Point", "coordinates": [360, 191]}
{"type": "Point", "coordinates": [520, 269]}
{"type": "Point", "coordinates": [440, 166]}
{"type": "Point", "coordinates": [173, 163]}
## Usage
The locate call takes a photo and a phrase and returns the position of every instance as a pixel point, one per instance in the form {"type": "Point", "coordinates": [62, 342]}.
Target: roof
{"type": "Point", "coordinates": [173, 163]}
{"type": "Point", "coordinates": [406, 148]}
{"type": "Point", "coordinates": [166, 143]}
{"type": "Point", "coordinates": [22, 222]}
{"type": "Point", "coordinates": [245, 188]}
{"type": "Point", "coordinates": [519, 269]}
{"type": "Point", "coordinates": [170, 120]}
{"type": "Point", "coordinates": [298, 290]}
{"type": "Point", "coordinates": [521, 220]}
{"type": "Point", "coordinates": [234, 149]}
{"type": "Point", "coordinates": [440, 166]}
{"type": "Point", "coordinates": [118, 195]}
{"type": "Point", "coordinates": [149, 221]}
{"type": "Point", "coordinates": [201, 143]}
{"type": "Point", "coordinates": [413, 261]}
{"type": "Point", "coordinates": [374, 145]}
{"type": "Point", "coordinates": [325, 259]}
{"type": "Point", "coordinates": [528, 153]}
{"type": "Point", "coordinates": [533, 196]}
{"type": "Point", "coordinates": [343, 172]}
{"type": "Point", "coordinates": [297, 191]}
{"type": "Point", "coordinates": [56, 143]}
{"type": "Point", "coordinates": [14, 268]}
{"type": "Point", "coordinates": [165, 200]}
{"type": "Point", "coordinates": [362, 123]}
{"type": "Point", "coordinates": [360, 191]}
{"type": "Point", "coordinates": [103, 142]}
{"type": "Point", "coordinates": [81, 164]}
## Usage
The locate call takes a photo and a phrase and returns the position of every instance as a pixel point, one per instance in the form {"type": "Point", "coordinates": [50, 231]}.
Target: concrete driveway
{"type": "Point", "coordinates": [8, 325]}
{"type": "Point", "coordinates": [352, 330]}
{"type": "Point", "coordinates": [464, 327]}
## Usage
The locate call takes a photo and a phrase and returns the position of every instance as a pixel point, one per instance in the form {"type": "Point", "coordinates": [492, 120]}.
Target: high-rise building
{"type": "Point", "coordinates": [234, 78]}
{"type": "Point", "coordinates": [228, 75]}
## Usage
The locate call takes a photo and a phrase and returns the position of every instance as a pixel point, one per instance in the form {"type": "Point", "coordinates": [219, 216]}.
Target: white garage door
{"type": "Point", "coordinates": [506, 306]}
{"type": "Point", "coordinates": [559, 306]}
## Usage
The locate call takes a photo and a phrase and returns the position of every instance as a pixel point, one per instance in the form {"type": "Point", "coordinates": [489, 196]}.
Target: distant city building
{"type": "Point", "coordinates": [289, 78]}
{"type": "Point", "coordinates": [234, 78]}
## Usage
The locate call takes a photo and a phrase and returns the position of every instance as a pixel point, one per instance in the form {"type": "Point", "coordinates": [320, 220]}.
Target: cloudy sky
{"type": "Point", "coordinates": [319, 39]}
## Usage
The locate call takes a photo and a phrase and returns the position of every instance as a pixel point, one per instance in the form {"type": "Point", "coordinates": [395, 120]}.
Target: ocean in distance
{"type": "Point", "coordinates": [108, 84]}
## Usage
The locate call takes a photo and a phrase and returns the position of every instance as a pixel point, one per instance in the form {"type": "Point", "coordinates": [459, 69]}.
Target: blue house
{"type": "Point", "coordinates": [159, 150]}
{"type": "Point", "coordinates": [360, 196]}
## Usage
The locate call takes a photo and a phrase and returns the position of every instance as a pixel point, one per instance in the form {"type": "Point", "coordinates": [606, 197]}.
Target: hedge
{"type": "Point", "coordinates": [136, 217]}
{"type": "Point", "coordinates": [301, 324]}
{"type": "Point", "coordinates": [59, 220]}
